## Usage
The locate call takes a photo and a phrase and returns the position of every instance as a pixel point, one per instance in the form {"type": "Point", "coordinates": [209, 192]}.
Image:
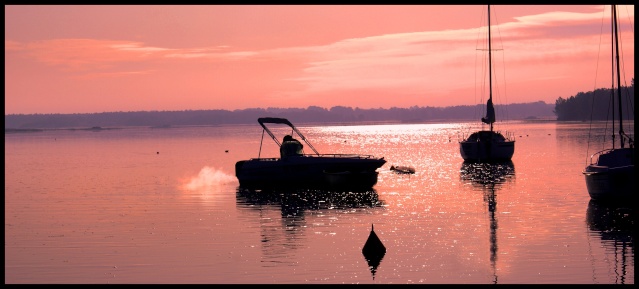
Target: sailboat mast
{"type": "Point", "coordinates": [616, 34]}
{"type": "Point", "coordinates": [490, 65]}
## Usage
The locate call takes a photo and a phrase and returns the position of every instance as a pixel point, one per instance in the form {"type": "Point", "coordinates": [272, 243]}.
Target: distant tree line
{"type": "Point", "coordinates": [312, 114]}
{"type": "Point", "coordinates": [596, 105]}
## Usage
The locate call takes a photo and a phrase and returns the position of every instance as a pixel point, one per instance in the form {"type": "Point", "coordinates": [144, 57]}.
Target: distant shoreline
{"type": "Point", "coordinates": [29, 130]}
{"type": "Point", "coordinates": [312, 115]}
{"type": "Point", "coordinates": [318, 123]}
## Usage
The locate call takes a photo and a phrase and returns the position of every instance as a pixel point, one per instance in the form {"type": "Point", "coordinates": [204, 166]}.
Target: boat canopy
{"type": "Point", "coordinates": [278, 120]}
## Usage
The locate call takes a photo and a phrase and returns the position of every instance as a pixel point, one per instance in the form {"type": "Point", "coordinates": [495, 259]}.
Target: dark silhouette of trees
{"type": "Point", "coordinates": [312, 114]}
{"type": "Point", "coordinates": [596, 105]}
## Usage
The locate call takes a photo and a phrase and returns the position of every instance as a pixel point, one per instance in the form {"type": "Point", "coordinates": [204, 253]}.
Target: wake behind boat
{"type": "Point", "coordinates": [610, 176]}
{"type": "Point", "coordinates": [488, 145]}
{"type": "Point", "coordinates": [294, 168]}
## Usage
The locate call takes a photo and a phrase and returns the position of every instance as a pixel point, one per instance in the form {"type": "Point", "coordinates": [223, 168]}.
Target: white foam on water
{"type": "Point", "coordinates": [209, 178]}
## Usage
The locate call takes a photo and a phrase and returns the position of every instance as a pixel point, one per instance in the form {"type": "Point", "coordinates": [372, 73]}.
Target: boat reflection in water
{"type": "Point", "coordinates": [294, 202]}
{"type": "Point", "coordinates": [614, 224]}
{"type": "Point", "coordinates": [488, 177]}
{"type": "Point", "coordinates": [294, 207]}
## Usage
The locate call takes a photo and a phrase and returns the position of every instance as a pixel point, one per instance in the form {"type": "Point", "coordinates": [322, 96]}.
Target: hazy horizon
{"type": "Point", "coordinates": [274, 107]}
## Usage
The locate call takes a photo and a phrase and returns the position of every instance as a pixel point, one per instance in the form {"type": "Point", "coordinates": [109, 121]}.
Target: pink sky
{"type": "Point", "coordinates": [86, 59]}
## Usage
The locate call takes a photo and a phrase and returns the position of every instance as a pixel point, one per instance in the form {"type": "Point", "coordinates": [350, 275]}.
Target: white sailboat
{"type": "Point", "coordinates": [488, 145]}
{"type": "Point", "coordinates": [611, 172]}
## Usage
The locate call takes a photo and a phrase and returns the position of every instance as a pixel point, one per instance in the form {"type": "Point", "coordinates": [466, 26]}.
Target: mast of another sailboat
{"type": "Point", "coordinates": [490, 108]}
{"type": "Point", "coordinates": [490, 75]}
{"type": "Point", "coordinates": [616, 35]}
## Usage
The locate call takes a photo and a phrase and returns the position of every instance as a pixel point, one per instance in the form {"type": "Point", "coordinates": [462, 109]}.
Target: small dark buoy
{"type": "Point", "coordinates": [226, 151]}
{"type": "Point", "coordinates": [373, 244]}
{"type": "Point", "coordinates": [158, 153]}
{"type": "Point", "coordinates": [373, 251]}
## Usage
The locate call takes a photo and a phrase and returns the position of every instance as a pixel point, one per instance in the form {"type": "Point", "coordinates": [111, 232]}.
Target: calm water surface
{"type": "Point", "coordinates": [145, 205]}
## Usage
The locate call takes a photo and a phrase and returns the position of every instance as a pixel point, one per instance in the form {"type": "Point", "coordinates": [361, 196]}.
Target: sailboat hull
{"type": "Point", "coordinates": [612, 177]}
{"type": "Point", "coordinates": [487, 146]}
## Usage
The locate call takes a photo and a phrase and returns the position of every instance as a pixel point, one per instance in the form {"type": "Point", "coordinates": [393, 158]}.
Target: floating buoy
{"type": "Point", "coordinates": [403, 169]}
{"type": "Point", "coordinates": [373, 251]}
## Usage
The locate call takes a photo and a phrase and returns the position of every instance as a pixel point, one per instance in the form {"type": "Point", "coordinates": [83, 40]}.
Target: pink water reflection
{"type": "Point", "coordinates": [106, 207]}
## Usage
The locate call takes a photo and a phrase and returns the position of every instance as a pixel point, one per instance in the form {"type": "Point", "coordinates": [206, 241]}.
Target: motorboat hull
{"type": "Point", "coordinates": [351, 179]}
{"type": "Point", "coordinates": [309, 171]}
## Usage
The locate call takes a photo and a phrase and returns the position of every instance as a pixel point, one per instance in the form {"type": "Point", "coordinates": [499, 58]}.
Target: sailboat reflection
{"type": "Point", "coordinates": [278, 239]}
{"type": "Point", "coordinates": [488, 177]}
{"type": "Point", "coordinates": [614, 224]}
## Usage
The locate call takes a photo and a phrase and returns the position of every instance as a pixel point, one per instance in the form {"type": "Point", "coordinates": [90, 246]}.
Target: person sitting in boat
{"type": "Point", "coordinates": [291, 147]}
